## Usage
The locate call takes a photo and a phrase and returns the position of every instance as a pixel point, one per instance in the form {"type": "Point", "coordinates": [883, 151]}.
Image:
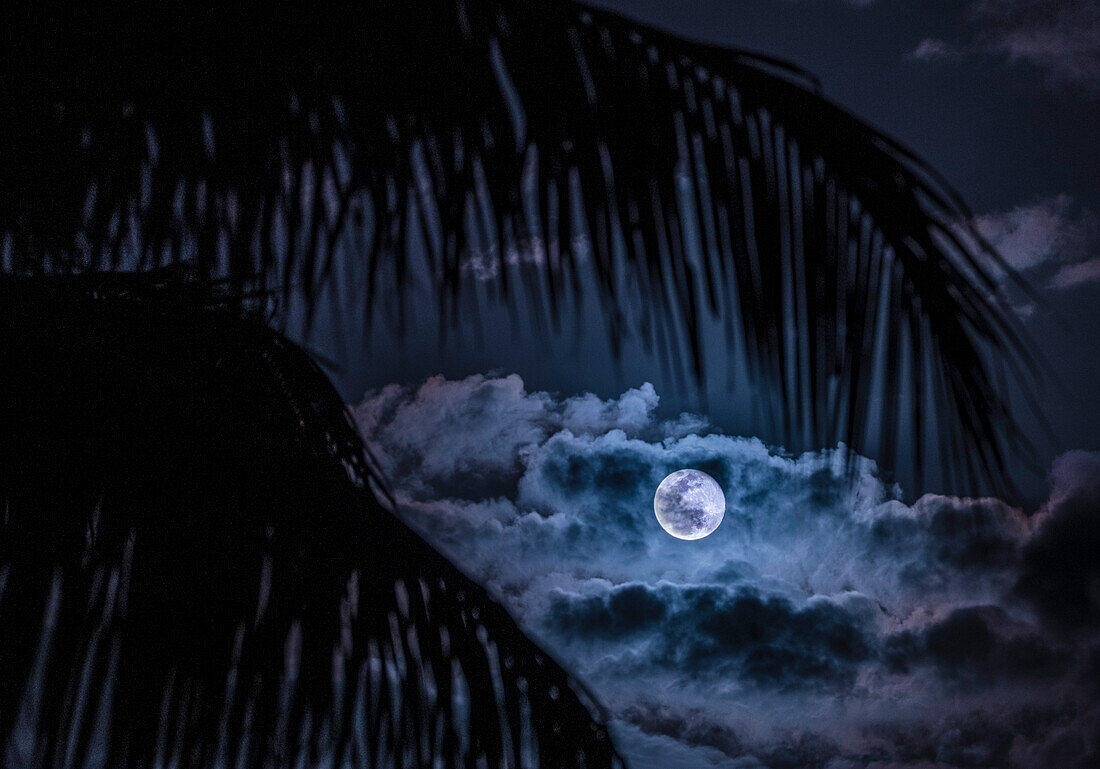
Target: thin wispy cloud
{"type": "Point", "coordinates": [933, 49]}
{"type": "Point", "coordinates": [1072, 275]}
{"type": "Point", "coordinates": [1058, 38]}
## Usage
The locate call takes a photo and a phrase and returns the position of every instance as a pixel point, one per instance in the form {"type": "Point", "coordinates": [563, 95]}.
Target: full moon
{"type": "Point", "coordinates": [689, 504]}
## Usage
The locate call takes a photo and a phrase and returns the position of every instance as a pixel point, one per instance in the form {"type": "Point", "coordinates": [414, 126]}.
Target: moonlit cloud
{"type": "Point", "coordinates": [822, 624]}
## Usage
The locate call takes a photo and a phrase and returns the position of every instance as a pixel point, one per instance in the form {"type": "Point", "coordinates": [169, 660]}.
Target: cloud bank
{"type": "Point", "coordinates": [824, 624]}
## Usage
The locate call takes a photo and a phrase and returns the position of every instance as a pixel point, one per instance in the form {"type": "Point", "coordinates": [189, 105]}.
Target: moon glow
{"type": "Point", "coordinates": [689, 504]}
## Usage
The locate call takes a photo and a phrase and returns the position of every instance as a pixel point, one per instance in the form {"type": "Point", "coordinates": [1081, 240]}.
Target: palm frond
{"type": "Point", "coordinates": [263, 141]}
{"type": "Point", "coordinates": [195, 569]}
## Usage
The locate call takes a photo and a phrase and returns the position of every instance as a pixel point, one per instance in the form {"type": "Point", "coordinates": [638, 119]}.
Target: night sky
{"type": "Point", "coordinates": [824, 624]}
{"type": "Point", "coordinates": [1002, 96]}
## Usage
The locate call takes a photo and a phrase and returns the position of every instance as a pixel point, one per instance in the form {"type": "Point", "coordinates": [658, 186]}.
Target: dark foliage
{"type": "Point", "coordinates": [195, 572]}
{"type": "Point", "coordinates": [264, 141]}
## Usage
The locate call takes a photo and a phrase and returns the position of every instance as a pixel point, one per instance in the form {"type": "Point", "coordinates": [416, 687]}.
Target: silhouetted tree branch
{"type": "Point", "coordinates": [195, 570]}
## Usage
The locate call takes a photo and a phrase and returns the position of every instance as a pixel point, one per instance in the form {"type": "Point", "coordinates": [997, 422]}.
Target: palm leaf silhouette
{"type": "Point", "coordinates": [194, 570]}
{"type": "Point", "coordinates": [263, 141]}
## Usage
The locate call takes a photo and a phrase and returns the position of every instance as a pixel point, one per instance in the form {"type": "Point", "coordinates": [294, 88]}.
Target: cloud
{"type": "Point", "coordinates": [1053, 240]}
{"type": "Point", "coordinates": [978, 645]}
{"type": "Point", "coordinates": [1060, 572]}
{"type": "Point", "coordinates": [484, 425]}
{"type": "Point", "coordinates": [931, 49]}
{"type": "Point", "coordinates": [824, 623]}
{"type": "Point", "coordinates": [623, 611]}
{"type": "Point", "coordinates": [706, 630]}
{"type": "Point", "coordinates": [1059, 37]}
{"type": "Point", "coordinates": [1082, 273]}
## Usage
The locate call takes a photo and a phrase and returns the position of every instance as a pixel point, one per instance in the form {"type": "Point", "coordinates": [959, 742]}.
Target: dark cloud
{"type": "Point", "coordinates": [621, 612]}
{"type": "Point", "coordinates": [979, 646]}
{"type": "Point", "coordinates": [772, 643]}
{"type": "Point", "coordinates": [701, 630]}
{"type": "Point", "coordinates": [698, 727]}
{"type": "Point", "coordinates": [824, 623]}
{"type": "Point", "coordinates": [693, 726]}
{"type": "Point", "coordinates": [950, 535]}
{"type": "Point", "coordinates": [1061, 565]}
